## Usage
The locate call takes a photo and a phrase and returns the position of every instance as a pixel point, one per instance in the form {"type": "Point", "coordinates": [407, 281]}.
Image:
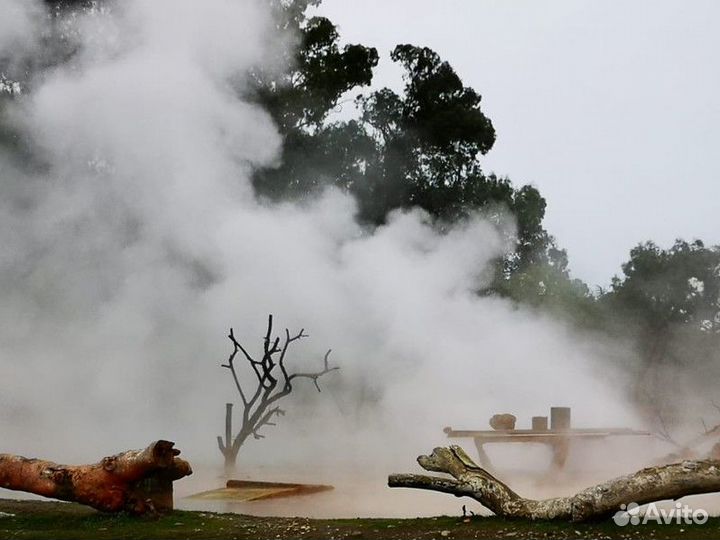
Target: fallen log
{"type": "Point", "coordinates": [136, 481]}
{"type": "Point", "coordinates": [647, 485]}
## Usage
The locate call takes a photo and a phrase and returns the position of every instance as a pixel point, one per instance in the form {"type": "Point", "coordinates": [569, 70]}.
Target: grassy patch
{"type": "Point", "coordinates": [50, 520]}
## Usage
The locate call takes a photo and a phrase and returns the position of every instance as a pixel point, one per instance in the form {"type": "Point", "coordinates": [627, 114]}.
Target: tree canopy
{"type": "Point", "coordinates": [667, 302]}
{"type": "Point", "coordinates": [420, 148]}
{"type": "Point", "coordinates": [661, 288]}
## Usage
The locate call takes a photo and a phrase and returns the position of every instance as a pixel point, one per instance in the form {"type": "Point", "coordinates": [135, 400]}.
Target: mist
{"type": "Point", "coordinates": [133, 241]}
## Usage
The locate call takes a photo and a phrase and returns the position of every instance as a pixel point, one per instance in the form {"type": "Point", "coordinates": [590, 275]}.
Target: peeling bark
{"type": "Point", "coordinates": [136, 481]}
{"type": "Point", "coordinates": [647, 485]}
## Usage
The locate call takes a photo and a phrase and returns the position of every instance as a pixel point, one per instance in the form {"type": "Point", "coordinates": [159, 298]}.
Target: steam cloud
{"type": "Point", "coordinates": [136, 242]}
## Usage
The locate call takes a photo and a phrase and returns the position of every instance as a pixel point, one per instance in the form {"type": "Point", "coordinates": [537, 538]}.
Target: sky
{"type": "Point", "coordinates": [610, 108]}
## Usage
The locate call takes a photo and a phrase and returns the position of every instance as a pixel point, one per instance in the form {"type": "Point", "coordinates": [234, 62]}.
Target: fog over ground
{"type": "Point", "coordinates": [135, 242]}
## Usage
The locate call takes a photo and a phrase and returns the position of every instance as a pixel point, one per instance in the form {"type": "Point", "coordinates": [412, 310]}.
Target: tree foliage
{"type": "Point", "coordinates": [665, 287]}
{"type": "Point", "coordinates": [419, 148]}
{"type": "Point", "coordinates": [667, 294]}
{"type": "Point", "coordinates": [427, 142]}
{"type": "Point", "coordinates": [668, 302]}
{"type": "Point", "coordinates": [301, 94]}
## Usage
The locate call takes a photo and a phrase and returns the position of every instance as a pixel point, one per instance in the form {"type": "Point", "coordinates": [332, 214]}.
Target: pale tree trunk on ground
{"type": "Point", "coordinates": [136, 481]}
{"type": "Point", "coordinates": [647, 485]}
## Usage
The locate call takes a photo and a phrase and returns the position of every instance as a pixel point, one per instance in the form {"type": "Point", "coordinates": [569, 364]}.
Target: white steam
{"type": "Point", "coordinates": [138, 243]}
{"type": "Point", "coordinates": [18, 25]}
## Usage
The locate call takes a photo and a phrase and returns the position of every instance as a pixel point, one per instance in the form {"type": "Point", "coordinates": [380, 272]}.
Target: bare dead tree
{"type": "Point", "coordinates": [273, 382]}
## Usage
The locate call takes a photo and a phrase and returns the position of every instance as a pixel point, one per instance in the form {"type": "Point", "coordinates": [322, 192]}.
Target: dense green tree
{"type": "Point", "coordinates": [664, 291]}
{"type": "Point", "coordinates": [428, 142]}
{"type": "Point", "coordinates": [668, 303]}
{"type": "Point", "coordinates": [418, 148]}
{"type": "Point", "coordinates": [544, 282]}
{"type": "Point", "coordinates": [308, 86]}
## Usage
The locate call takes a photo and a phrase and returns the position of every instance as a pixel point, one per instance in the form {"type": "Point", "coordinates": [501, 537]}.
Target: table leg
{"type": "Point", "coordinates": [560, 449]}
{"type": "Point", "coordinates": [485, 462]}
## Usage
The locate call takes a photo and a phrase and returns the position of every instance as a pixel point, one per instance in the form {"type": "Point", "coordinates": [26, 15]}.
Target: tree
{"type": "Point", "coordinates": [677, 286]}
{"type": "Point", "coordinates": [647, 485]}
{"type": "Point", "coordinates": [418, 148]}
{"type": "Point", "coordinates": [541, 279]}
{"type": "Point", "coordinates": [301, 94]}
{"type": "Point", "coordinates": [274, 382]}
{"type": "Point", "coordinates": [428, 142]}
{"type": "Point", "coordinates": [669, 299]}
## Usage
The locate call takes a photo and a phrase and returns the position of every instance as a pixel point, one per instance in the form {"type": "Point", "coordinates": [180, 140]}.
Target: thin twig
{"type": "Point", "coordinates": [257, 410]}
{"type": "Point", "coordinates": [316, 376]}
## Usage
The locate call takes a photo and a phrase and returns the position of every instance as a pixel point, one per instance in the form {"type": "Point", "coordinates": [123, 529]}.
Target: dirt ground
{"type": "Point", "coordinates": [62, 521]}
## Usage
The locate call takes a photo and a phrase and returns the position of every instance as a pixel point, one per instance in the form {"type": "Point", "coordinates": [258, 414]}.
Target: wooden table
{"type": "Point", "coordinates": [557, 439]}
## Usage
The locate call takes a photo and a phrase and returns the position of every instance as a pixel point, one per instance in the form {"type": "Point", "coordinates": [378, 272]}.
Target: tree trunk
{"type": "Point", "coordinates": [230, 462]}
{"type": "Point", "coordinates": [228, 447]}
{"type": "Point", "coordinates": [652, 484]}
{"type": "Point", "coordinates": [136, 481]}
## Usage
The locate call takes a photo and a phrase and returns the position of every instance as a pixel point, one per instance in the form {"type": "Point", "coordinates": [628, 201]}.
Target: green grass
{"type": "Point", "coordinates": [50, 520]}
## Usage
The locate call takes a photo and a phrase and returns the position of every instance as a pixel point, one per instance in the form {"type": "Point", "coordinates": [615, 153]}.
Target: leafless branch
{"type": "Point", "coordinates": [231, 365]}
{"type": "Point", "coordinates": [317, 375]}
{"type": "Point", "coordinates": [258, 410]}
{"type": "Point", "coordinates": [663, 433]}
{"type": "Point", "coordinates": [265, 421]}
